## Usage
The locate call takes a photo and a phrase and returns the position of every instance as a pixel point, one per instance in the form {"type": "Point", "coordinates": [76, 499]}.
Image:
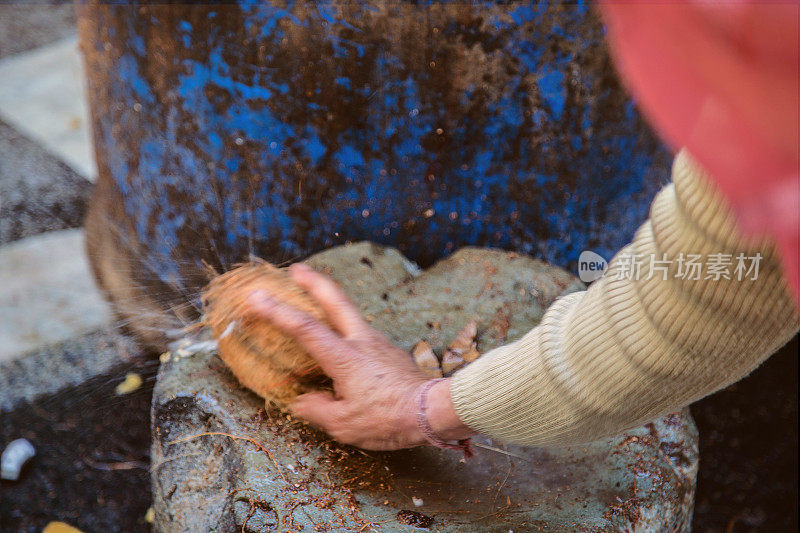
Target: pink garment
{"type": "Point", "coordinates": [722, 80]}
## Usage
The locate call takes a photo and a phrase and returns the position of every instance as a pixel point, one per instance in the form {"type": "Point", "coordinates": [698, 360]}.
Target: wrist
{"type": "Point", "coordinates": [441, 414]}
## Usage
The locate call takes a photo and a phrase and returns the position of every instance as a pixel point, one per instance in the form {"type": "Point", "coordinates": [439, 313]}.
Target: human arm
{"type": "Point", "coordinates": [604, 360]}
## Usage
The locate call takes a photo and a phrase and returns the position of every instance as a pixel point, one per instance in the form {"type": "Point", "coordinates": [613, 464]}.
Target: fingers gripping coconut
{"type": "Point", "coordinates": [294, 338]}
{"type": "Point", "coordinates": [265, 360]}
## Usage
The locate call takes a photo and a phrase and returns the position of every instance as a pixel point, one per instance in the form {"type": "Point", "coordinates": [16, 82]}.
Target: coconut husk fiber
{"type": "Point", "coordinates": [262, 358]}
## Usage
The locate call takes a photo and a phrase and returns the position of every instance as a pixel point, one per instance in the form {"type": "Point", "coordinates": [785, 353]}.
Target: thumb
{"type": "Point", "coordinates": [318, 408]}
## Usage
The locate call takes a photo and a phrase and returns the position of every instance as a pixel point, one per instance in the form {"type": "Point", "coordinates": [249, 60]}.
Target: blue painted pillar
{"type": "Point", "coordinates": [279, 129]}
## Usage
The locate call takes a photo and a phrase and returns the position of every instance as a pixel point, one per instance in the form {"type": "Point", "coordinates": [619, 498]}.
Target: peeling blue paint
{"type": "Point", "coordinates": [262, 148]}
{"type": "Point", "coordinates": [551, 87]}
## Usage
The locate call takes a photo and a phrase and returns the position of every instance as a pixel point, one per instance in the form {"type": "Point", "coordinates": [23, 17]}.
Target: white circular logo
{"type": "Point", "coordinates": [591, 266]}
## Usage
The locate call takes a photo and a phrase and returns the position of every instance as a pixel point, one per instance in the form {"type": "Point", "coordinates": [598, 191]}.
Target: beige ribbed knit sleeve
{"type": "Point", "coordinates": [637, 346]}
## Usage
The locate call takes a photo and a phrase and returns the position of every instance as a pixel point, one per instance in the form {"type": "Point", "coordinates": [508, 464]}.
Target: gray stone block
{"type": "Point", "coordinates": [221, 462]}
{"type": "Point", "coordinates": [43, 96]}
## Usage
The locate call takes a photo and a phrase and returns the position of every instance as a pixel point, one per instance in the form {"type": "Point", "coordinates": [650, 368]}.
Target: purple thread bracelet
{"type": "Point", "coordinates": [427, 431]}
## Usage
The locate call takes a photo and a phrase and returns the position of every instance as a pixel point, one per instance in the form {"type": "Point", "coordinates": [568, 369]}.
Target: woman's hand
{"type": "Point", "coordinates": [375, 383]}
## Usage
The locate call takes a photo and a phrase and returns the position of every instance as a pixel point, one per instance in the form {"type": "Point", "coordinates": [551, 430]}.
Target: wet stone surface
{"type": "Point", "coordinates": [220, 461]}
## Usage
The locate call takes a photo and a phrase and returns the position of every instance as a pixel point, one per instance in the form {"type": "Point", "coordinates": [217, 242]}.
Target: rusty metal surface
{"type": "Point", "coordinates": [283, 128]}
{"type": "Point", "coordinates": [222, 463]}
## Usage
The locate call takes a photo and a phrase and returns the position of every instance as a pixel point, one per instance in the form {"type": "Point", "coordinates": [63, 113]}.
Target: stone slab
{"type": "Point", "coordinates": [221, 462]}
{"type": "Point", "coordinates": [43, 95]}
{"type": "Point", "coordinates": [47, 293]}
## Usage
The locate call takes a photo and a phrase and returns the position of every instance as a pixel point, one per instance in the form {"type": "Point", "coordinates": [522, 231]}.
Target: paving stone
{"type": "Point", "coordinates": [223, 463]}
{"type": "Point", "coordinates": [38, 192]}
{"type": "Point", "coordinates": [43, 96]}
{"type": "Point", "coordinates": [47, 293]}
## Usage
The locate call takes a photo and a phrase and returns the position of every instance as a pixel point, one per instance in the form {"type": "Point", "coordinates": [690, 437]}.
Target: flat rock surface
{"type": "Point", "coordinates": [222, 462]}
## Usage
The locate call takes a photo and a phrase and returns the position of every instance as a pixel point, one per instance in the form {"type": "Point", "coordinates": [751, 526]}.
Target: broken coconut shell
{"type": "Point", "coordinates": [462, 350]}
{"type": "Point", "coordinates": [426, 360]}
{"type": "Point", "coordinates": [262, 357]}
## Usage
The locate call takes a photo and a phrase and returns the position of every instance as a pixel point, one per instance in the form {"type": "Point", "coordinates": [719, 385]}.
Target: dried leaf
{"type": "Point", "coordinates": [465, 340]}
{"type": "Point", "coordinates": [471, 354]}
{"type": "Point", "coordinates": [132, 382]}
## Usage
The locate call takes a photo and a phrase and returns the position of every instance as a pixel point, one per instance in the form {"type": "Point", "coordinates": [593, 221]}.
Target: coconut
{"type": "Point", "coordinates": [262, 357]}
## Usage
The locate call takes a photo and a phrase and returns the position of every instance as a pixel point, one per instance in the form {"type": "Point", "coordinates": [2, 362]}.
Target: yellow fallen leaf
{"type": "Point", "coordinates": [60, 527]}
{"type": "Point", "coordinates": [150, 515]}
{"type": "Point", "coordinates": [132, 382]}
